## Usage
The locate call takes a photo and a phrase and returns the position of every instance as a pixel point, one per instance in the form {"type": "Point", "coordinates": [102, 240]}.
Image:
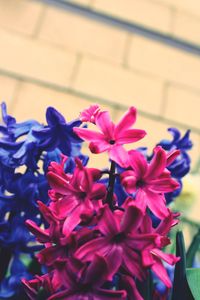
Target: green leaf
{"type": "Point", "coordinates": [193, 278]}
{"type": "Point", "coordinates": [192, 250]}
{"type": "Point", "coordinates": [146, 287]}
{"type": "Point", "coordinates": [181, 288]}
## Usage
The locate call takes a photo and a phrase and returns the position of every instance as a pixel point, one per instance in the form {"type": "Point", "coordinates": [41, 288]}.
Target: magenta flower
{"type": "Point", "coordinates": [48, 234]}
{"type": "Point", "coordinates": [33, 286]}
{"type": "Point", "coordinates": [112, 137]}
{"type": "Point", "coordinates": [90, 114]}
{"type": "Point", "coordinates": [75, 196]}
{"type": "Point", "coordinates": [56, 243]}
{"type": "Point", "coordinates": [120, 240]}
{"type": "Point", "coordinates": [150, 180]}
{"type": "Point", "coordinates": [153, 256]}
{"type": "Point", "coordinates": [73, 280]}
{"type": "Point", "coordinates": [93, 248]}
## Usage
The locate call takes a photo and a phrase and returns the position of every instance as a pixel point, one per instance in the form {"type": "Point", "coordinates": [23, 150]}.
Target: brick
{"type": "Point", "coordinates": [195, 151]}
{"type": "Point", "coordinates": [192, 182]}
{"type": "Point", "coordinates": [157, 131]}
{"type": "Point", "coordinates": [21, 15]}
{"type": "Point", "coordinates": [81, 34]}
{"type": "Point", "coordinates": [143, 12]}
{"type": "Point", "coordinates": [26, 57]}
{"type": "Point", "coordinates": [165, 61]}
{"type": "Point", "coordinates": [186, 27]}
{"type": "Point", "coordinates": [192, 6]}
{"type": "Point", "coordinates": [119, 86]}
{"type": "Point", "coordinates": [33, 100]}
{"type": "Point", "coordinates": [7, 89]}
{"type": "Point", "coordinates": [183, 106]}
{"type": "Point", "coordinates": [41, 97]}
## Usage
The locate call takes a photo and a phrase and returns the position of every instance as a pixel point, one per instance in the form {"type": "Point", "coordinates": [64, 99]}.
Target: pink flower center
{"type": "Point", "coordinates": [140, 183]}
{"type": "Point", "coordinates": [118, 238]}
{"type": "Point", "coordinates": [112, 142]}
{"type": "Point", "coordinates": [82, 195]}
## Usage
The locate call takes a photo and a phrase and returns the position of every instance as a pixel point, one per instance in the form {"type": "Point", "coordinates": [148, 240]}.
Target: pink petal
{"type": "Point", "coordinates": [63, 295]}
{"type": "Point", "coordinates": [88, 135]}
{"type": "Point", "coordinates": [89, 114]}
{"type": "Point", "coordinates": [99, 246]}
{"type": "Point", "coordinates": [114, 260]}
{"type": "Point", "coordinates": [41, 235]}
{"type": "Point", "coordinates": [141, 200]}
{"type": "Point", "coordinates": [162, 241]}
{"type": "Point", "coordinates": [98, 191]}
{"type": "Point", "coordinates": [56, 281]}
{"type": "Point", "coordinates": [163, 185]}
{"type": "Point", "coordinates": [105, 124]}
{"type": "Point", "coordinates": [87, 210]}
{"type": "Point", "coordinates": [72, 220]}
{"type": "Point", "coordinates": [97, 272]}
{"type": "Point", "coordinates": [132, 219]}
{"type": "Point", "coordinates": [147, 258]}
{"type": "Point", "coordinates": [161, 272]}
{"type": "Point", "coordinates": [171, 156]}
{"type": "Point", "coordinates": [96, 173]}
{"type": "Point", "coordinates": [57, 183]}
{"type": "Point", "coordinates": [31, 288]}
{"type": "Point", "coordinates": [138, 162]}
{"type": "Point", "coordinates": [48, 256]}
{"type": "Point", "coordinates": [108, 224]}
{"type": "Point", "coordinates": [63, 207]}
{"type": "Point", "coordinates": [46, 212]}
{"type": "Point", "coordinates": [169, 258]}
{"type": "Point", "coordinates": [103, 294]}
{"type": "Point", "coordinates": [119, 155]}
{"type": "Point", "coordinates": [129, 181]}
{"type": "Point", "coordinates": [129, 136]}
{"type": "Point", "coordinates": [85, 181]}
{"type": "Point", "coordinates": [146, 226]}
{"type": "Point", "coordinates": [165, 225]}
{"type": "Point", "coordinates": [127, 120]}
{"type": "Point", "coordinates": [157, 164]}
{"type": "Point", "coordinates": [157, 204]}
{"type": "Point", "coordinates": [70, 272]}
{"type": "Point", "coordinates": [132, 262]}
{"type": "Point", "coordinates": [140, 241]}
{"type": "Point", "coordinates": [99, 146]}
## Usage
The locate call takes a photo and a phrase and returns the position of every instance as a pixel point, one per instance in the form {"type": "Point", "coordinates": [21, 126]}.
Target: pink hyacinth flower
{"type": "Point", "coordinates": [120, 240]}
{"type": "Point", "coordinates": [112, 137]}
{"type": "Point", "coordinates": [74, 280]}
{"type": "Point", "coordinates": [75, 196]}
{"type": "Point", "coordinates": [153, 256]}
{"type": "Point", "coordinates": [150, 180]}
{"type": "Point", "coordinates": [90, 114]}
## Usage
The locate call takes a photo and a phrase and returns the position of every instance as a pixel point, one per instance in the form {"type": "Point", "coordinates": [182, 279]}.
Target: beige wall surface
{"type": "Point", "coordinates": [57, 57]}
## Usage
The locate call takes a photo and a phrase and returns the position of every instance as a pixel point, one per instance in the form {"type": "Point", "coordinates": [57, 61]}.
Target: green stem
{"type": "Point", "coordinates": [110, 188]}
{"type": "Point", "coordinates": [192, 250]}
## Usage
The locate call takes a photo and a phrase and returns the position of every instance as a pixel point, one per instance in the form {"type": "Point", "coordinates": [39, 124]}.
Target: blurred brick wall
{"type": "Point", "coordinates": [50, 56]}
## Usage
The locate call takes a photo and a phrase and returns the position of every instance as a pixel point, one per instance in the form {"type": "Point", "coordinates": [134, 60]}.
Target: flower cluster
{"type": "Point", "coordinates": [25, 152]}
{"type": "Point", "coordinates": [95, 245]}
